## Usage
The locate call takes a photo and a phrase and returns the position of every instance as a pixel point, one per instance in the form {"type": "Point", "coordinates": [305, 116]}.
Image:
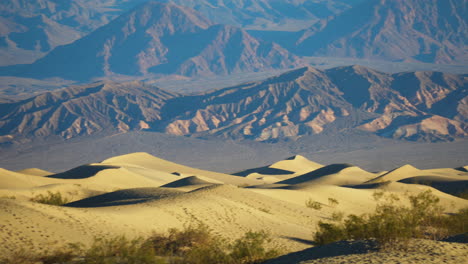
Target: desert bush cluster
{"type": "Point", "coordinates": [192, 245]}
{"type": "Point", "coordinates": [51, 198]}
{"type": "Point", "coordinates": [393, 224]}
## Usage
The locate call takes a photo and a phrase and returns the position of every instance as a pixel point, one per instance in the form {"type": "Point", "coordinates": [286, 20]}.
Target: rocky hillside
{"type": "Point", "coordinates": [310, 101]}
{"type": "Point", "coordinates": [420, 106]}
{"type": "Point", "coordinates": [84, 110]}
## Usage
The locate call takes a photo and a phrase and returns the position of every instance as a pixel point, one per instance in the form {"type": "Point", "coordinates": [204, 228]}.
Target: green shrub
{"type": "Point", "coordinates": [179, 241]}
{"type": "Point", "coordinates": [197, 245]}
{"type": "Point", "coordinates": [251, 248]}
{"type": "Point", "coordinates": [120, 250]}
{"type": "Point", "coordinates": [50, 198]}
{"type": "Point", "coordinates": [393, 224]}
{"type": "Point", "coordinates": [313, 204]}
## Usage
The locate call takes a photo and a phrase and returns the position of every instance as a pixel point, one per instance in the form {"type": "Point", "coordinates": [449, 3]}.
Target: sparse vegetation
{"type": "Point", "coordinates": [337, 216]}
{"type": "Point", "coordinates": [251, 248]}
{"type": "Point", "coordinates": [120, 250]}
{"type": "Point", "coordinates": [332, 202]}
{"type": "Point", "coordinates": [192, 245]}
{"type": "Point", "coordinates": [50, 198]}
{"type": "Point", "coordinates": [313, 204]}
{"type": "Point", "coordinates": [392, 224]}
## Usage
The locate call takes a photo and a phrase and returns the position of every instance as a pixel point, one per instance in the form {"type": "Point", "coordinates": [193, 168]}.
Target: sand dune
{"type": "Point", "coordinates": [15, 180]}
{"type": "Point", "coordinates": [408, 171]}
{"type": "Point", "coordinates": [281, 170]}
{"type": "Point", "coordinates": [148, 161]}
{"type": "Point", "coordinates": [137, 194]}
{"type": "Point", "coordinates": [125, 197]}
{"type": "Point", "coordinates": [335, 174]}
{"type": "Point", "coordinates": [35, 172]}
{"type": "Point", "coordinates": [190, 183]}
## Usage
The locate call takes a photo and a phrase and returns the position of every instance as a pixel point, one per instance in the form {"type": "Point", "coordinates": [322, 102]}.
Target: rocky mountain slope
{"type": "Point", "coordinates": [398, 30]}
{"type": "Point", "coordinates": [420, 106]}
{"type": "Point", "coordinates": [84, 110]}
{"type": "Point", "coordinates": [30, 29]}
{"type": "Point", "coordinates": [152, 39]}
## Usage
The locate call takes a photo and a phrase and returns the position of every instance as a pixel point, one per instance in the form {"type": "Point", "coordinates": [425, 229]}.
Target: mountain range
{"type": "Point", "coordinates": [30, 29]}
{"type": "Point", "coordinates": [393, 30]}
{"type": "Point", "coordinates": [420, 106]}
{"type": "Point", "coordinates": [152, 39]}
{"type": "Point", "coordinates": [397, 30]}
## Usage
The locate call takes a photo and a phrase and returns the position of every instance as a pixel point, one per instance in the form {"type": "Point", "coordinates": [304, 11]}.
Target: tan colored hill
{"type": "Point", "coordinates": [137, 194]}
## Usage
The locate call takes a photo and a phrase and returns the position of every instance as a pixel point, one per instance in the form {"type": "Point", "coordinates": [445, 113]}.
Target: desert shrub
{"type": "Point", "coordinates": [393, 224]}
{"type": "Point", "coordinates": [120, 250]}
{"type": "Point", "coordinates": [313, 204]}
{"type": "Point", "coordinates": [19, 257]}
{"type": "Point", "coordinates": [177, 242]}
{"type": "Point", "coordinates": [50, 198]}
{"type": "Point", "coordinates": [23, 256]}
{"type": "Point", "coordinates": [251, 248]}
{"type": "Point", "coordinates": [197, 245]}
{"type": "Point", "coordinates": [337, 216]}
{"type": "Point", "coordinates": [332, 201]}
{"type": "Point", "coordinates": [192, 245]}
{"type": "Point", "coordinates": [329, 233]}
{"type": "Point", "coordinates": [63, 255]}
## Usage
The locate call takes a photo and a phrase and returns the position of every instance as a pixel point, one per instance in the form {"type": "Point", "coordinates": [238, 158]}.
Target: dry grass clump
{"type": "Point", "coordinates": [394, 224]}
{"type": "Point", "coordinates": [313, 204]}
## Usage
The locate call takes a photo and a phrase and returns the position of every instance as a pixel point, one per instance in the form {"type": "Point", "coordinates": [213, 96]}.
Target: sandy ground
{"type": "Point", "coordinates": [137, 194]}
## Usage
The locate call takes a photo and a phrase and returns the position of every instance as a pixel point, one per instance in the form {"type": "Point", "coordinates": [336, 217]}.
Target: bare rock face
{"type": "Point", "coordinates": [305, 101]}
{"type": "Point", "coordinates": [420, 106]}
{"type": "Point", "coordinates": [295, 103]}
{"type": "Point", "coordinates": [399, 30]}
{"type": "Point", "coordinates": [84, 110]}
